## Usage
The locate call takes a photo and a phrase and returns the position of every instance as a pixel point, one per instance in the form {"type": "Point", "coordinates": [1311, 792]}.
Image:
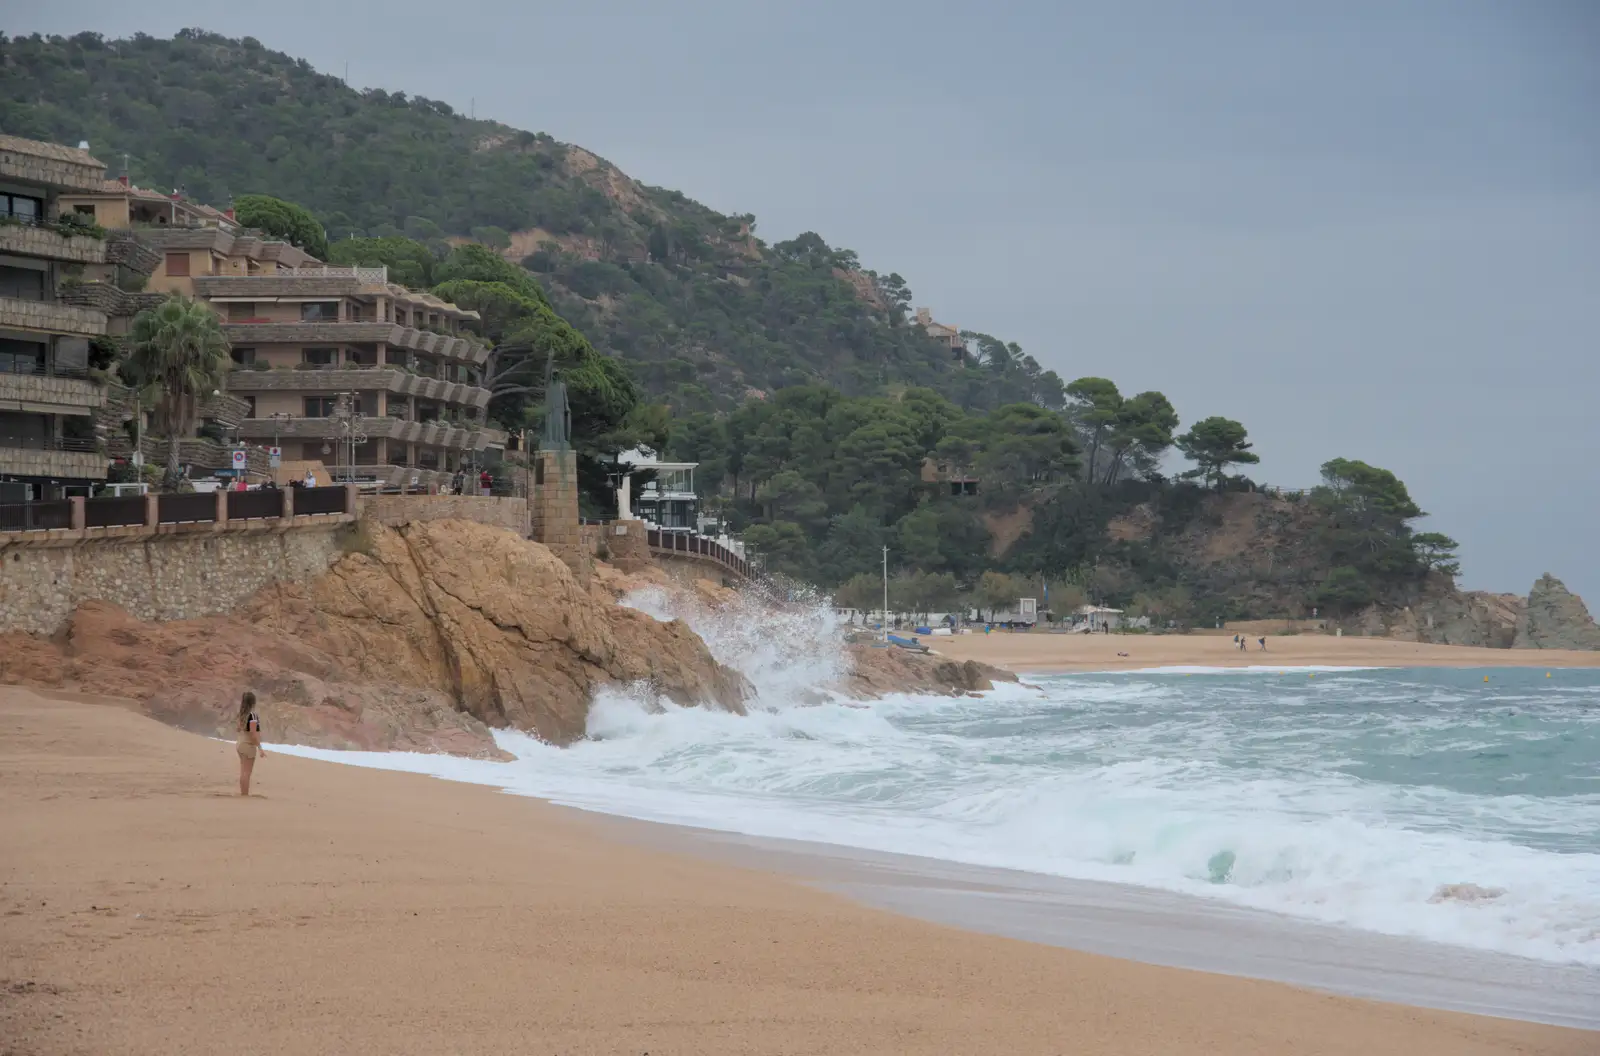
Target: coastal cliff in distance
{"type": "Point", "coordinates": [1550, 617]}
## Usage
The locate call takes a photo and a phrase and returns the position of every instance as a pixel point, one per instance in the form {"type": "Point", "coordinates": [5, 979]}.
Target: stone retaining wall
{"type": "Point", "coordinates": [395, 510]}
{"type": "Point", "coordinates": [163, 577]}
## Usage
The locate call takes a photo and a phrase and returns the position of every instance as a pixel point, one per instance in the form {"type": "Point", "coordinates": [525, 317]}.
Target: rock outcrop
{"type": "Point", "coordinates": [1446, 616]}
{"type": "Point", "coordinates": [190, 673]}
{"type": "Point", "coordinates": [1555, 618]}
{"type": "Point", "coordinates": [876, 672]}
{"type": "Point", "coordinates": [423, 637]}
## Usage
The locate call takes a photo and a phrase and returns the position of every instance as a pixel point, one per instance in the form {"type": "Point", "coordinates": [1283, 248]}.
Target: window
{"type": "Point", "coordinates": [241, 312]}
{"type": "Point", "coordinates": [22, 207]}
{"type": "Point", "coordinates": [72, 357]}
{"type": "Point", "coordinates": [320, 357]}
{"type": "Point", "coordinates": [244, 357]}
{"type": "Point", "coordinates": [177, 265]}
{"type": "Point", "coordinates": [319, 312]}
{"type": "Point", "coordinates": [26, 284]}
{"type": "Point", "coordinates": [251, 400]}
{"type": "Point", "coordinates": [320, 406]}
{"type": "Point", "coordinates": [21, 357]}
{"type": "Point", "coordinates": [84, 210]}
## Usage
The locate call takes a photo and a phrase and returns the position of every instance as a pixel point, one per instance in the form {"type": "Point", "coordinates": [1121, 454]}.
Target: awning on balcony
{"type": "Point", "coordinates": [33, 407]}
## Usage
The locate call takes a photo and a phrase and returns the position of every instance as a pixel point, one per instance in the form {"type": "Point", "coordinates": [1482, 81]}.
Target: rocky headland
{"type": "Point", "coordinates": [1549, 617]}
{"type": "Point", "coordinates": [425, 637]}
{"type": "Point", "coordinates": [418, 638]}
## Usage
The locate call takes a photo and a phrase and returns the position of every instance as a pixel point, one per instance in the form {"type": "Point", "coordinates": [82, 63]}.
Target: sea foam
{"type": "Point", "coordinates": [1347, 800]}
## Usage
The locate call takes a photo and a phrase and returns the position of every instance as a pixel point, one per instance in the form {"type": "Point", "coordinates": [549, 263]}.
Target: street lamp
{"type": "Point", "coordinates": [278, 418]}
{"type": "Point", "coordinates": [351, 424]}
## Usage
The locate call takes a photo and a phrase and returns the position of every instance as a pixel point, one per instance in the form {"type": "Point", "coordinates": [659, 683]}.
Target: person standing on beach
{"type": "Point", "coordinates": [249, 742]}
{"type": "Point", "coordinates": [1263, 645]}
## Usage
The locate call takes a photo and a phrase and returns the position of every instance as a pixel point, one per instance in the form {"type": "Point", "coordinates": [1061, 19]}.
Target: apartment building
{"type": "Point", "coordinates": [342, 366]}
{"type": "Point", "coordinates": [117, 204]}
{"type": "Point", "coordinates": [197, 252]}
{"type": "Point", "coordinates": [48, 445]}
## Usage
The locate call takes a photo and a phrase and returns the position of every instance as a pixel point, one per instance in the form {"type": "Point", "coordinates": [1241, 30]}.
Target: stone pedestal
{"type": "Point", "coordinates": [555, 509]}
{"type": "Point", "coordinates": [627, 545]}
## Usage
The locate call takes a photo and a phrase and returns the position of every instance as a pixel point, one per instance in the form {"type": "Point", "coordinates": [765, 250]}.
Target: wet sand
{"type": "Point", "coordinates": [145, 909]}
{"type": "Point", "coordinates": [1045, 653]}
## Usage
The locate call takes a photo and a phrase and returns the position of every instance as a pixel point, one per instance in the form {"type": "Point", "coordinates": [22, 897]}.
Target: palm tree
{"type": "Point", "coordinates": [179, 353]}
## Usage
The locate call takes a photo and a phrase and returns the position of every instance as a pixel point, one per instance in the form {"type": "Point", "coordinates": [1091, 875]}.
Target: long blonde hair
{"type": "Point", "coordinates": [247, 704]}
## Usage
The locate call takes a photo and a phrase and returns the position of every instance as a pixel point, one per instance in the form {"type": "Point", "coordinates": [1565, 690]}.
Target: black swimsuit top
{"type": "Point", "coordinates": [252, 724]}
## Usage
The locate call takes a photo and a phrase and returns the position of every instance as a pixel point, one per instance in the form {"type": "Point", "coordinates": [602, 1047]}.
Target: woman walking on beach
{"type": "Point", "coordinates": [249, 743]}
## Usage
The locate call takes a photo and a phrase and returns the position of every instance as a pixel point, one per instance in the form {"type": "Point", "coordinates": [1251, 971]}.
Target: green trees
{"type": "Point", "coordinates": [1093, 403]}
{"type": "Point", "coordinates": [1345, 590]}
{"type": "Point", "coordinates": [700, 310]}
{"type": "Point", "coordinates": [1023, 446]}
{"type": "Point", "coordinates": [1437, 553]}
{"type": "Point", "coordinates": [1214, 444]}
{"type": "Point", "coordinates": [180, 356]}
{"type": "Point", "coordinates": [1139, 434]}
{"type": "Point", "coordinates": [410, 263]}
{"type": "Point", "coordinates": [1367, 524]}
{"type": "Point", "coordinates": [1119, 433]}
{"type": "Point", "coordinates": [292, 223]}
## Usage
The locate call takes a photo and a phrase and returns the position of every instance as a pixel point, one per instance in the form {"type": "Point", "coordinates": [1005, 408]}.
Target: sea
{"type": "Point", "coordinates": [1457, 806]}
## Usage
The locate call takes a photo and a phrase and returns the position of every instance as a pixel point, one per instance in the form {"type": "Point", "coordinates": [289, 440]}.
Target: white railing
{"type": "Point", "coordinates": [371, 276]}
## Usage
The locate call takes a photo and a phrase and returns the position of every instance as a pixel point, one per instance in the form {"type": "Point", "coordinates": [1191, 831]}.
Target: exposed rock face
{"type": "Point", "coordinates": [190, 673]}
{"type": "Point", "coordinates": [1446, 616]}
{"type": "Point", "coordinates": [875, 672]}
{"type": "Point", "coordinates": [422, 640]}
{"type": "Point", "coordinates": [1555, 618]}
{"type": "Point", "coordinates": [496, 622]}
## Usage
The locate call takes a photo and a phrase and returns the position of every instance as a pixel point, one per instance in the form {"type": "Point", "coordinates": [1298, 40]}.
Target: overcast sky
{"type": "Point", "coordinates": [1370, 230]}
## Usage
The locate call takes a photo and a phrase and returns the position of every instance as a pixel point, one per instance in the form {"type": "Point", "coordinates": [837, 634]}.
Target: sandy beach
{"type": "Point", "coordinates": [145, 909]}
{"type": "Point", "coordinates": [1044, 653]}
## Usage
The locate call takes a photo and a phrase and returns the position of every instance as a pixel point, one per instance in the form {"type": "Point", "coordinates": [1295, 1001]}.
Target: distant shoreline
{"type": "Point", "coordinates": [1043, 654]}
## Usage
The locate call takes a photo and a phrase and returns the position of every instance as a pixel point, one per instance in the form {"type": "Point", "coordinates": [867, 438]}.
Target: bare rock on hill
{"type": "Point", "coordinates": [876, 672]}
{"type": "Point", "coordinates": [1555, 618]}
{"type": "Point", "coordinates": [422, 640]}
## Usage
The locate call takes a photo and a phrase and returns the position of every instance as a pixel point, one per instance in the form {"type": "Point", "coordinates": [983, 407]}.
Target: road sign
{"type": "Point", "coordinates": [275, 456]}
{"type": "Point", "coordinates": [239, 460]}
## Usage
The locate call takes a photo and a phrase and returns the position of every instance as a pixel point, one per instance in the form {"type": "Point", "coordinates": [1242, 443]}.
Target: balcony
{"type": "Point", "coordinates": [52, 457]}
{"type": "Point", "coordinates": [357, 379]}
{"type": "Point", "coordinates": [43, 394]}
{"type": "Point", "coordinates": [51, 242]}
{"type": "Point", "coordinates": [296, 282]}
{"type": "Point", "coordinates": [355, 333]}
{"type": "Point", "coordinates": [50, 317]}
{"type": "Point", "coordinates": [455, 436]}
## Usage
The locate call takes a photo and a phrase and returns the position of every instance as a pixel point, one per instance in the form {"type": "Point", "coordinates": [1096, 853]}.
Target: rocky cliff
{"type": "Point", "coordinates": [876, 672]}
{"type": "Point", "coordinates": [1443, 615]}
{"type": "Point", "coordinates": [1550, 617]}
{"type": "Point", "coordinates": [419, 638]}
{"type": "Point", "coordinates": [1555, 618]}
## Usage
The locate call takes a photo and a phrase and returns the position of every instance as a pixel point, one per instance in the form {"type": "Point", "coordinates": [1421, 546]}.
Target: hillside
{"type": "Point", "coordinates": [828, 421]}
{"type": "Point", "coordinates": [703, 311]}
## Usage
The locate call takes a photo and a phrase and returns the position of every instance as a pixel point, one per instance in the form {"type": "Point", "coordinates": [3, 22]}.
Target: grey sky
{"type": "Point", "coordinates": [1369, 231]}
